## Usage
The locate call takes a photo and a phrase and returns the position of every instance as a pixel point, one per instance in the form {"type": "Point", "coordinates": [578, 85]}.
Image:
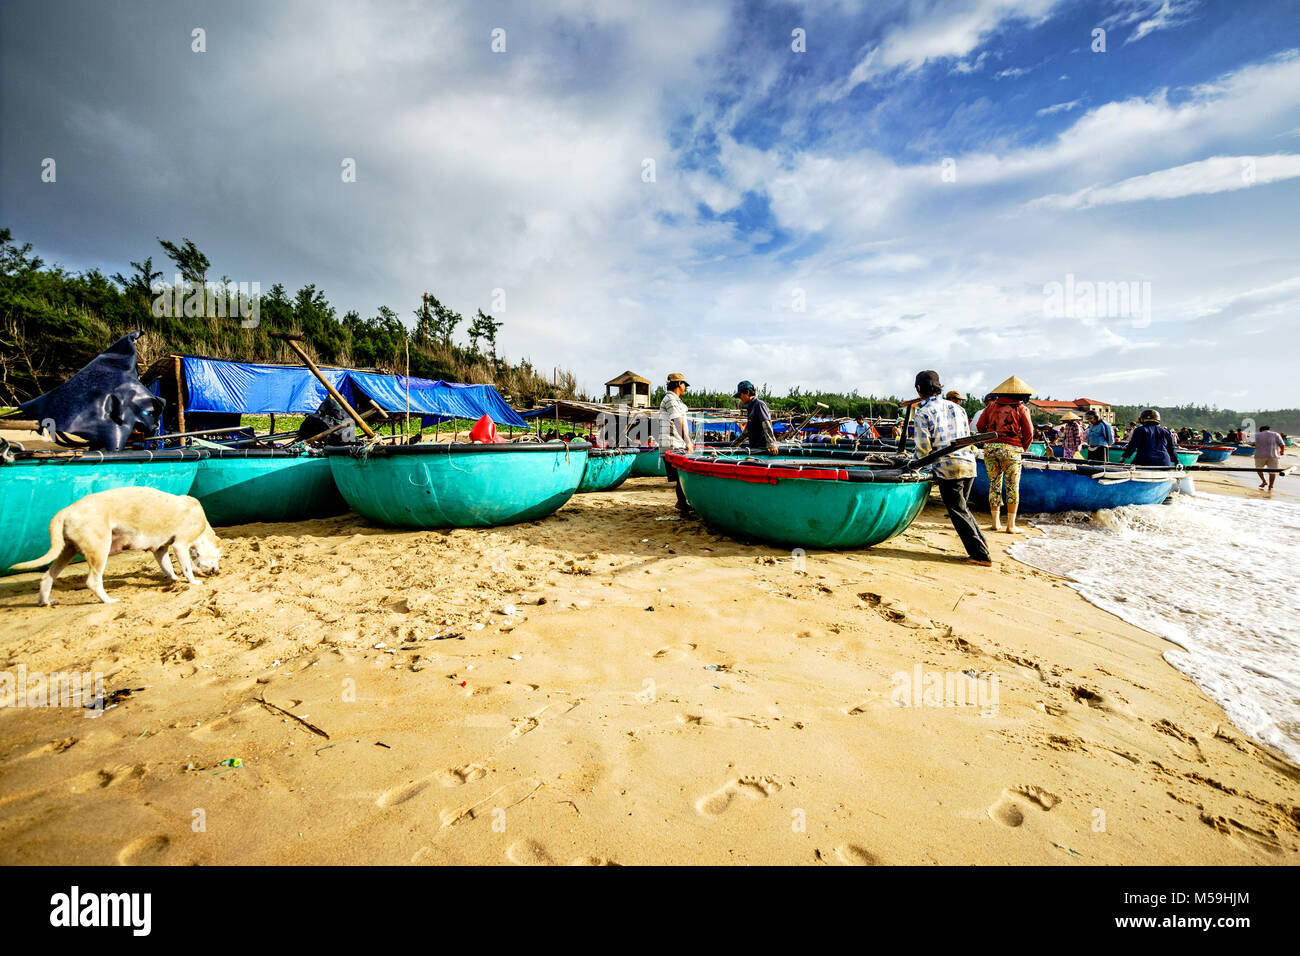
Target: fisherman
{"type": "Point", "coordinates": [954, 396]}
{"type": "Point", "coordinates": [1009, 418]}
{"type": "Point", "coordinates": [1071, 434]}
{"type": "Point", "coordinates": [1151, 443]}
{"type": "Point", "coordinates": [673, 433]}
{"type": "Point", "coordinates": [939, 423]}
{"type": "Point", "coordinates": [860, 430]}
{"type": "Point", "coordinates": [1100, 436]}
{"type": "Point", "coordinates": [758, 432]}
{"type": "Point", "coordinates": [1269, 449]}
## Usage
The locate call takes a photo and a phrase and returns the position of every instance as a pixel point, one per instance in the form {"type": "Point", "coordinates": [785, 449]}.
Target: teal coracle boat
{"type": "Point", "coordinates": [649, 464]}
{"type": "Point", "coordinates": [1186, 456]}
{"type": "Point", "coordinates": [802, 502]}
{"type": "Point", "coordinates": [457, 485]}
{"type": "Point", "coordinates": [33, 489]}
{"type": "Point", "coordinates": [607, 468]}
{"type": "Point", "coordinates": [240, 487]}
{"type": "Point", "coordinates": [1038, 448]}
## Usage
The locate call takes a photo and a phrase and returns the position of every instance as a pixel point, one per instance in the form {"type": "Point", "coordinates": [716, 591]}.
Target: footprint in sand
{"type": "Point", "coordinates": [446, 777]}
{"type": "Point", "coordinates": [720, 720]}
{"type": "Point", "coordinates": [1010, 808]}
{"type": "Point", "coordinates": [673, 652]}
{"type": "Point", "coordinates": [145, 851]}
{"type": "Point", "coordinates": [851, 854]}
{"type": "Point", "coordinates": [53, 747]}
{"type": "Point", "coordinates": [532, 853]}
{"type": "Point", "coordinates": [1185, 745]}
{"type": "Point", "coordinates": [756, 788]}
{"type": "Point", "coordinates": [1245, 837]}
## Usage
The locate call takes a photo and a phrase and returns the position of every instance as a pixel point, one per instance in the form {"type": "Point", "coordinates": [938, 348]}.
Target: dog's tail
{"type": "Point", "coordinates": [56, 546]}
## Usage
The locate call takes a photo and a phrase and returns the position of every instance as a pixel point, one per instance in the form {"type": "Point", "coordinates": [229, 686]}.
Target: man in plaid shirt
{"type": "Point", "coordinates": [939, 423]}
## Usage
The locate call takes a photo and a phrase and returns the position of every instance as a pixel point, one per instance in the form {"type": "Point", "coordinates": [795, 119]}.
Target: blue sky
{"type": "Point", "coordinates": [900, 195]}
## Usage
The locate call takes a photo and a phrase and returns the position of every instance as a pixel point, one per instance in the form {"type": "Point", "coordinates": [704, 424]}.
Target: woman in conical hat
{"type": "Point", "coordinates": [1071, 434]}
{"type": "Point", "coordinates": [1008, 416]}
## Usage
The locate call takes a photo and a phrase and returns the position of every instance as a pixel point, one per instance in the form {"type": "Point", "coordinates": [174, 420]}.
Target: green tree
{"type": "Point", "coordinates": [192, 264]}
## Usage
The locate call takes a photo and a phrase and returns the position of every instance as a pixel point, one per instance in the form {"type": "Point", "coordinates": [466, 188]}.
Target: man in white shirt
{"type": "Point", "coordinates": [673, 434]}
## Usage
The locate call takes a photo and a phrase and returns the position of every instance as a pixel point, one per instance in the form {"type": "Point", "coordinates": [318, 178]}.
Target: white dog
{"type": "Point", "coordinates": [126, 519]}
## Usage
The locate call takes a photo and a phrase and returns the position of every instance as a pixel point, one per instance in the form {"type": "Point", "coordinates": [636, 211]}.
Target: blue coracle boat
{"type": "Point", "coordinates": [1052, 487]}
{"type": "Point", "coordinates": [457, 485]}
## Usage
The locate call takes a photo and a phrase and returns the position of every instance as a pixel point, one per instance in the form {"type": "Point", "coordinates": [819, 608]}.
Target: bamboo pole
{"type": "Point", "coordinates": [292, 341]}
{"type": "Point", "coordinates": [179, 371]}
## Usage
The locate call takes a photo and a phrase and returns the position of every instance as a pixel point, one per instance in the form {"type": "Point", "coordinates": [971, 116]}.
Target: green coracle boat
{"type": "Point", "coordinates": [1037, 448]}
{"type": "Point", "coordinates": [803, 502]}
{"type": "Point", "coordinates": [33, 489]}
{"type": "Point", "coordinates": [649, 464]}
{"type": "Point", "coordinates": [607, 468]}
{"type": "Point", "coordinates": [237, 486]}
{"type": "Point", "coordinates": [457, 485]}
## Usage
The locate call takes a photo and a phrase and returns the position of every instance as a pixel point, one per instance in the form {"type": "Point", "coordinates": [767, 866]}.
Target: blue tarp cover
{"type": "Point", "coordinates": [213, 385]}
{"type": "Point", "coordinates": [436, 399]}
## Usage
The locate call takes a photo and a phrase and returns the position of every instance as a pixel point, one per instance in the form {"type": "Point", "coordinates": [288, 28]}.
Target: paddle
{"type": "Point", "coordinates": [902, 432]}
{"type": "Point", "coordinates": [958, 445]}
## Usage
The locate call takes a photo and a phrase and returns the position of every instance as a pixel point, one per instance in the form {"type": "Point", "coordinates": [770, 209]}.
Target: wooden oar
{"type": "Point", "coordinates": [976, 439]}
{"type": "Point", "coordinates": [292, 341]}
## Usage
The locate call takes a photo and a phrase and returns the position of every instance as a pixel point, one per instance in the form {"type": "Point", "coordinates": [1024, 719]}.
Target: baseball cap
{"type": "Point", "coordinates": [745, 386]}
{"type": "Point", "coordinates": [678, 377]}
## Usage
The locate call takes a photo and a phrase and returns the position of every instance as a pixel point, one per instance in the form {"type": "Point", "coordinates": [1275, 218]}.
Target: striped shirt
{"type": "Point", "coordinates": [939, 423]}
{"type": "Point", "coordinates": [668, 436]}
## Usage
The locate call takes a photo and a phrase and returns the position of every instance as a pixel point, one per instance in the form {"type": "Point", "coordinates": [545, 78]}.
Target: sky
{"type": "Point", "coordinates": [830, 195]}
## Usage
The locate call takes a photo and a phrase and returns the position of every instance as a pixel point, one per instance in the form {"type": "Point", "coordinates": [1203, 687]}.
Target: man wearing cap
{"type": "Point", "coordinates": [939, 423]}
{"type": "Point", "coordinates": [1007, 416]}
{"type": "Point", "coordinates": [1150, 443]}
{"type": "Point", "coordinates": [673, 433]}
{"type": "Point", "coordinates": [1099, 438]}
{"type": "Point", "coordinates": [758, 425]}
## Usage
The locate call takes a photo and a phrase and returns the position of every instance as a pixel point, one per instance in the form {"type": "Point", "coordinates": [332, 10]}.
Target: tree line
{"type": "Point", "coordinates": [53, 321]}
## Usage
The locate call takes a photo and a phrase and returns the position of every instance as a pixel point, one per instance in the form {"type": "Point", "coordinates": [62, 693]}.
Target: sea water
{"type": "Point", "coordinates": [1211, 573]}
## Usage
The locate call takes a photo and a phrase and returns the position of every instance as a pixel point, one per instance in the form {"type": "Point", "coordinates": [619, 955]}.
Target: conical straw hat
{"type": "Point", "coordinates": [1013, 386]}
{"type": "Point", "coordinates": [1069, 417]}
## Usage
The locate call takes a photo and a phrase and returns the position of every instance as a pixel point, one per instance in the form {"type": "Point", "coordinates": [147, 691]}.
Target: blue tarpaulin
{"type": "Point", "coordinates": [435, 399]}
{"type": "Point", "coordinates": [213, 385]}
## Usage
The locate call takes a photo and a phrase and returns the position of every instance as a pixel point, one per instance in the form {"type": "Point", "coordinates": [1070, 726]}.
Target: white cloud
{"type": "Point", "coordinates": [1059, 107]}
{"type": "Point", "coordinates": [1214, 175]}
{"type": "Point", "coordinates": [945, 30]}
{"type": "Point", "coordinates": [1170, 13]}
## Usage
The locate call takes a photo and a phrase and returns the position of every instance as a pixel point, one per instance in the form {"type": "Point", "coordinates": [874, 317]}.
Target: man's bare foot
{"type": "Point", "coordinates": [1014, 530]}
{"type": "Point", "coordinates": [982, 564]}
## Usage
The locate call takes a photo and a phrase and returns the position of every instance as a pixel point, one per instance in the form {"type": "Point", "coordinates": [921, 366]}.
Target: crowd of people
{"type": "Point", "coordinates": [940, 420]}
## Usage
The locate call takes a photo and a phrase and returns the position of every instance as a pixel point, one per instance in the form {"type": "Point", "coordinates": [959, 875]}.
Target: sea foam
{"type": "Point", "coordinates": [1211, 573]}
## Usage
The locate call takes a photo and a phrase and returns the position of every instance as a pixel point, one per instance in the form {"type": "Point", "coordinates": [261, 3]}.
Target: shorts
{"type": "Point", "coordinates": [1268, 462]}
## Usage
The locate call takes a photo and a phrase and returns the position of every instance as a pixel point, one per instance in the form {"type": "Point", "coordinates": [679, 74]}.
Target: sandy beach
{"type": "Point", "coordinates": [614, 685]}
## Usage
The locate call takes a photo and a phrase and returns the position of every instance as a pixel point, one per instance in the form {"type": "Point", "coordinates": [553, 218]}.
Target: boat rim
{"type": "Point", "coordinates": [359, 450]}
{"type": "Point", "coordinates": [755, 469]}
